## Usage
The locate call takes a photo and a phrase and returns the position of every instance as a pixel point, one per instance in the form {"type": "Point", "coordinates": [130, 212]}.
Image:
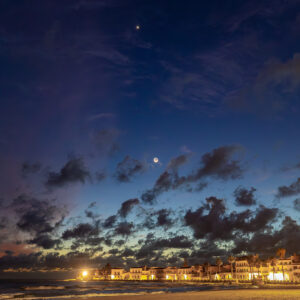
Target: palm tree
{"type": "Point", "coordinates": [273, 262]}
{"type": "Point", "coordinates": [252, 260]}
{"type": "Point", "coordinates": [231, 260]}
{"type": "Point", "coordinates": [207, 269]}
{"type": "Point", "coordinates": [281, 253]}
{"type": "Point", "coordinates": [219, 263]}
{"type": "Point", "coordinates": [258, 266]}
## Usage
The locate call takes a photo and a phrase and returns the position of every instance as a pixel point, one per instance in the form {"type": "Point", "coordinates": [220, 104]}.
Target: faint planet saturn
{"type": "Point", "coordinates": [155, 160]}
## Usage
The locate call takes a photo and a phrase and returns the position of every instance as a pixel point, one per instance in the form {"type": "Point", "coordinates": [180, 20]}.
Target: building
{"type": "Point", "coordinates": [141, 273]}
{"type": "Point", "coordinates": [242, 268]}
{"type": "Point", "coordinates": [184, 273]}
{"type": "Point", "coordinates": [117, 274]}
{"type": "Point", "coordinates": [246, 268]}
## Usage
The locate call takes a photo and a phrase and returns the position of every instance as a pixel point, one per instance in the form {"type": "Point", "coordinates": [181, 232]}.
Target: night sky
{"type": "Point", "coordinates": [145, 132]}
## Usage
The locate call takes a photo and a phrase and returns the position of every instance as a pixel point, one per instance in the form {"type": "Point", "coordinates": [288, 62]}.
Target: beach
{"type": "Point", "coordinates": [114, 290]}
{"type": "Point", "coordinates": [261, 294]}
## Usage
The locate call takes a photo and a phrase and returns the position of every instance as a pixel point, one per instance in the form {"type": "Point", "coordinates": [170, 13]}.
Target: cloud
{"type": "Point", "coordinates": [201, 83]}
{"type": "Point", "coordinates": [291, 190]}
{"type": "Point", "coordinates": [218, 164]}
{"type": "Point", "coordinates": [127, 206]}
{"type": "Point", "coordinates": [128, 168]}
{"type": "Point", "coordinates": [285, 236]}
{"type": "Point", "coordinates": [163, 218]}
{"type": "Point", "coordinates": [244, 197]}
{"type": "Point", "coordinates": [72, 172]}
{"type": "Point", "coordinates": [37, 216]}
{"type": "Point", "coordinates": [124, 229]}
{"type": "Point", "coordinates": [273, 91]}
{"type": "Point", "coordinates": [101, 116]}
{"type": "Point", "coordinates": [31, 221]}
{"type": "Point", "coordinates": [180, 241]}
{"type": "Point", "coordinates": [45, 241]}
{"type": "Point", "coordinates": [191, 90]}
{"type": "Point", "coordinates": [211, 221]}
{"type": "Point", "coordinates": [151, 246]}
{"type": "Point", "coordinates": [110, 221]}
{"type": "Point", "coordinates": [297, 204]}
{"type": "Point", "coordinates": [178, 161]}
{"type": "Point", "coordinates": [48, 261]}
{"type": "Point", "coordinates": [30, 168]}
{"type": "Point", "coordinates": [82, 230]}
{"type": "Point", "coordinates": [158, 218]}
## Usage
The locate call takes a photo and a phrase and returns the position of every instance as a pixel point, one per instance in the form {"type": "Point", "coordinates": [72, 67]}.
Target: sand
{"type": "Point", "coordinates": [261, 294]}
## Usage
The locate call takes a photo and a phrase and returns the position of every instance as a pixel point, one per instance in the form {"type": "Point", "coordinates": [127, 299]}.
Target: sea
{"type": "Point", "coordinates": [61, 289]}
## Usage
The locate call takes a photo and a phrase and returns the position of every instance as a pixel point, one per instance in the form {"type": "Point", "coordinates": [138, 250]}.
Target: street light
{"type": "Point", "coordinates": [84, 273]}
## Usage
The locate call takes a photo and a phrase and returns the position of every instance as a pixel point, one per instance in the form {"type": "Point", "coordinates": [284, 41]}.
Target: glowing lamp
{"type": "Point", "coordinates": [112, 276]}
{"type": "Point", "coordinates": [185, 276]}
{"type": "Point", "coordinates": [278, 276]}
{"type": "Point", "coordinates": [84, 273]}
{"type": "Point", "coordinates": [167, 276]}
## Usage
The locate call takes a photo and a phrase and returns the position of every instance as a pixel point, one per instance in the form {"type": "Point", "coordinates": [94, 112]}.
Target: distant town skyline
{"type": "Point", "coordinates": [147, 132]}
{"type": "Point", "coordinates": [249, 268]}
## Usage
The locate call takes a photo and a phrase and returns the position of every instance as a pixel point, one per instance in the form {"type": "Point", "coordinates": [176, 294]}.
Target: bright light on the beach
{"type": "Point", "coordinates": [84, 273]}
{"type": "Point", "coordinates": [278, 276]}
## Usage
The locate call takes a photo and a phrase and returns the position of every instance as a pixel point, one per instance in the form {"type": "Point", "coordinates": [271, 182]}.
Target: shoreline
{"type": "Point", "coordinates": [238, 294]}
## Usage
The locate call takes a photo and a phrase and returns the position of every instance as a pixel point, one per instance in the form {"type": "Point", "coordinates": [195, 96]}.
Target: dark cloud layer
{"type": "Point", "coordinates": [218, 164]}
{"type": "Point", "coordinates": [128, 168]}
{"type": "Point", "coordinates": [72, 172]}
{"type": "Point", "coordinates": [244, 197]}
{"type": "Point", "coordinates": [290, 190]}
{"type": "Point", "coordinates": [124, 229]}
{"type": "Point", "coordinates": [45, 241]}
{"type": "Point", "coordinates": [110, 221]}
{"type": "Point", "coordinates": [211, 221]}
{"type": "Point", "coordinates": [82, 230]}
{"type": "Point", "coordinates": [127, 206]}
{"type": "Point", "coordinates": [39, 219]}
{"type": "Point", "coordinates": [37, 216]}
{"type": "Point", "coordinates": [297, 204]}
{"type": "Point", "coordinates": [265, 242]}
{"type": "Point", "coordinates": [164, 218]}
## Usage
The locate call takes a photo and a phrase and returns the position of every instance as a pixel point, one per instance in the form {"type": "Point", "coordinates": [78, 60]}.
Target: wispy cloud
{"type": "Point", "coordinates": [101, 116]}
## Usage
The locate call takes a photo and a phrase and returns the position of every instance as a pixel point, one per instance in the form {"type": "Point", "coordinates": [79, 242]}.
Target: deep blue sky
{"type": "Point", "coordinates": [210, 88]}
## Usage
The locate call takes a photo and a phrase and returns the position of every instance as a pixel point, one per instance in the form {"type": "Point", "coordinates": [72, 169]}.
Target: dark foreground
{"type": "Point", "coordinates": [92, 290]}
{"type": "Point", "coordinates": [259, 294]}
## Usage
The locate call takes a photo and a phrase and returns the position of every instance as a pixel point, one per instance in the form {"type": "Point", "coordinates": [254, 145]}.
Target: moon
{"type": "Point", "coordinates": [155, 160]}
{"type": "Point", "coordinates": [137, 27]}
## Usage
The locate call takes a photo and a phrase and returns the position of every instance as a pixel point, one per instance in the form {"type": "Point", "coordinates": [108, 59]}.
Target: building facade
{"type": "Point", "coordinates": [242, 269]}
